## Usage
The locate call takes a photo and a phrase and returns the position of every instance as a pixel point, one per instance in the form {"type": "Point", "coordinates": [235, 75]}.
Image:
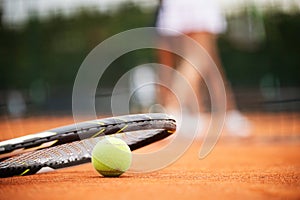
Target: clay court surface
{"type": "Point", "coordinates": [264, 166]}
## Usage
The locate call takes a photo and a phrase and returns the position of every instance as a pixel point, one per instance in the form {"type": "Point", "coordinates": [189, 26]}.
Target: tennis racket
{"type": "Point", "coordinates": [72, 145]}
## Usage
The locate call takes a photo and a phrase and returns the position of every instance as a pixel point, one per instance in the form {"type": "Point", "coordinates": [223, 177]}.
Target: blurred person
{"type": "Point", "coordinates": [202, 21]}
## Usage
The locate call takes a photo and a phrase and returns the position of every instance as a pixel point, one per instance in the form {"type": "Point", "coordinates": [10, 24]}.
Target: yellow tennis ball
{"type": "Point", "coordinates": [111, 157]}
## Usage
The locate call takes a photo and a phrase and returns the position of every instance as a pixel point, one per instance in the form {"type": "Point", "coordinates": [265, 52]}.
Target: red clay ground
{"type": "Point", "coordinates": [265, 166]}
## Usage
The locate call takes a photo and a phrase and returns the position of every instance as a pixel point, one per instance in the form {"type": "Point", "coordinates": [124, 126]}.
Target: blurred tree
{"type": "Point", "coordinates": [52, 49]}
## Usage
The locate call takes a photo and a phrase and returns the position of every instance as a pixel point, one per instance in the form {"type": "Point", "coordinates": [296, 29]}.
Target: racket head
{"type": "Point", "coordinates": [84, 130]}
{"type": "Point", "coordinates": [144, 130]}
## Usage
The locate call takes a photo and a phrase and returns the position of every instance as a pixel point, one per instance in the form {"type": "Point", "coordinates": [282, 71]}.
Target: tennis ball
{"type": "Point", "coordinates": [111, 157]}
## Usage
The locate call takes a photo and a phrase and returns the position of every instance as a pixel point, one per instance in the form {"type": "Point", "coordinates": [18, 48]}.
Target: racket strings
{"type": "Point", "coordinates": [52, 156]}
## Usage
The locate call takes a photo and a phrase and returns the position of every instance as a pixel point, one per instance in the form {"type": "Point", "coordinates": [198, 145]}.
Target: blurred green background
{"type": "Point", "coordinates": [260, 52]}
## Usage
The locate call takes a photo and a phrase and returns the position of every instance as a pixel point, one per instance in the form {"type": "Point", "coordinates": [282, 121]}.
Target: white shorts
{"type": "Point", "coordinates": [187, 16]}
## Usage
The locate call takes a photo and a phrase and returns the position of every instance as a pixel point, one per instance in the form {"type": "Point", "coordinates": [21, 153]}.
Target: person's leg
{"type": "Point", "coordinates": [236, 123]}
{"type": "Point", "coordinates": [186, 70]}
{"type": "Point", "coordinates": [209, 42]}
{"type": "Point", "coordinates": [166, 58]}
